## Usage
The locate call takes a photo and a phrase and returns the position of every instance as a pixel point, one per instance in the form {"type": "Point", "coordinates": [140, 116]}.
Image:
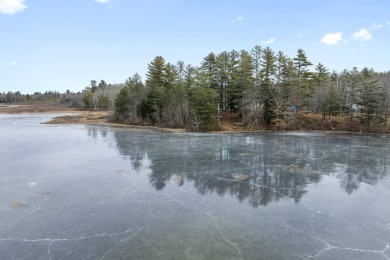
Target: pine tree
{"type": "Point", "coordinates": [320, 77]}
{"type": "Point", "coordinates": [332, 102]}
{"type": "Point", "coordinates": [209, 70]}
{"type": "Point", "coordinates": [93, 86]}
{"type": "Point", "coordinates": [281, 89]}
{"type": "Point", "coordinates": [267, 73]}
{"type": "Point", "coordinates": [88, 99]}
{"type": "Point", "coordinates": [233, 91]}
{"type": "Point", "coordinates": [155, 84]}
{"type": "Point", "coordinates": [280, 59]}
{"type": "Point", "coordinates": [203, 109]}
{"type": "Point", "coordinates": [102, 85]}
{"type": "Point", "coordinates": [103, 102]}
{"type": "Point", "coordinates": [136, 106]}
{"type": "Point", "coordinates": [245, 80]}
{"type": "Point", "coordinates": [353, 81]}
{"type": "Point", "coordinates": [370, 96]}
{"type": "Point", "coordinates": [189, 76]}
{"type": "Point", "coordinates": [222, 72]}
{"type": "Point", "coordinates": [256, 57]}
{"type": "Point", "coordinates": [121, 103]}
{"type": "Point", "coordinates": [304, 86]}
{"type": "Point", "coordinates": [386, 101]}
{"type": "Point", "coordinates": [287, 79]}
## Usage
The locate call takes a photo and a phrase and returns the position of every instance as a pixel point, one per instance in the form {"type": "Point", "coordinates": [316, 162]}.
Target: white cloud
{"type": "Point", "coordinates": [11, 7]}
{"type": "Point", "coordinates": [238, 19]}
{"type": "Point", "coordinates": [13, 64]}
{"type": "Point", "coordinates": [375, 26]}
{"type": "Point", "coordinates": [268, 42]}
{"type": "Point", "coordinates": [332, 38]}
{"type": "Point", "coordinates": [363, 34]}
{"type": "Point", "coordinates": [103, 1]}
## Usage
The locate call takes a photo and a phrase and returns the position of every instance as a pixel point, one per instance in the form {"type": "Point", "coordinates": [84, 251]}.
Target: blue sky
{"type": "Point", "coordinates": [60, 45]}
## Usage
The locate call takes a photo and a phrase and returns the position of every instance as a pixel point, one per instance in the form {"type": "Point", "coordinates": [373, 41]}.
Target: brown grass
{"type": "Point", "coordinates": [103, 118]}
{"type": "Point", "coordinates": [42, 108]}
{"type": "Point", "coordinates": [83, 118]}
{"type": "Point", "coordinates": [228, 120]}
{"type": "Point", "coordinates": [316, 122]}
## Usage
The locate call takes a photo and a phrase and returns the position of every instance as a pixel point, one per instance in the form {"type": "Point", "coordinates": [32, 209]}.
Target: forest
{"type": "Point", "coordinates": [266, 89]}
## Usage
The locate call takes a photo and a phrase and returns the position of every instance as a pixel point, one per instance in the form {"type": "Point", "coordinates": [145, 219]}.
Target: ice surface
{"type": "Point", "coordinates": [96, 192]}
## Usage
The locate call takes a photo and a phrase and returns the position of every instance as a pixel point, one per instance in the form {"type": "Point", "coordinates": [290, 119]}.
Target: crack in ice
{"type": "Point", "coordinates": [330, 246]}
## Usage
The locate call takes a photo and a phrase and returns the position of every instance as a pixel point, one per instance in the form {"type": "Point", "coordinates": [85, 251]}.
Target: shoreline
{"type": "Point", "coordinates": [103, 118]}
{"type": "Point", "coordinates": [105, 122]}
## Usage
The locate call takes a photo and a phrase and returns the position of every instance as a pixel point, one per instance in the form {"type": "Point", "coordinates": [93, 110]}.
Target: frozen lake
{"type": "Point", "coordinates": [99, 192]}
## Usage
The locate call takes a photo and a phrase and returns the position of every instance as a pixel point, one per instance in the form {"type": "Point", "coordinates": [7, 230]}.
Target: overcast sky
{"type": "Point", "coordinates": [63, 44]}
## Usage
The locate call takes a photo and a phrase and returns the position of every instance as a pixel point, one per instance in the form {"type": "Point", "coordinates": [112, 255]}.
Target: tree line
{"type": "Point", "coordinates": [261, 85]}
{"type": "Point", "coordinates": [95, 96]}
{"type": "Point", "coordinates": [48, 97]}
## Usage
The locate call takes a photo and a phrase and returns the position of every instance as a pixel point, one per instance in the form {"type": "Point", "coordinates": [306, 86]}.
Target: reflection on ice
{"type": "Point", "coordinates": [258, 168]}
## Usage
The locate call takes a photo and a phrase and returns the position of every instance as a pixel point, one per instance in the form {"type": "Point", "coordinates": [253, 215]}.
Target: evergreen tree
{"type": "Point", "coordinates": [103, 102]}
{"type": "Point", "coordinates": [386, 102]}
{"type": "Point", "coordinates": [155, 83]}
{"type": "Point", "coordinates": [332, 102]}
{"type": "Point", "coordinates": [281, 88]}
{"type": "Point", "coordinates": [280, 60]}
{"type": "Point", "coordinates": [320, 77]}
{"type": "Point", "coordinates": [234, 90]}
{"type": "Point", "coordinates": [353, 81]}
{"type": "Point", "coordinates": [180, 67]}
{"type": "Point", "coordinates": [287, 78]}
{"type": "Point", "coordinates": [175, 111]}
{"type": "Point", "coordinates": [102, 85]}
{"type": "Point", "coordinates": [267, 73]}
{"type": "Point", "coordinates": [304, 86]}
{"type": "Point", "coordinates": [170, 77]}
{"type": "Point", "coordinates": [245, 81]}
{"type": "Point", "coordinates": [137, 106]}
{"type": "Point", "coordinates": [189, 76]}
{"type": "Point", "coordinates": [370, 96]}
{"type": "Point", "coordinates": [209, 70]}
{"type": "Point", "coordinates": [121, 103]}
{"type": "Point", "coordinates": [203, 109]}
{"type": "Point", "coordinates": [93, 86]}
{"type": "Point", "coordinates": [88, 99]}
{"type": "Point", "coordinates": [256, 57]}
{"type": "Point", "coordinates": [222, 66]}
